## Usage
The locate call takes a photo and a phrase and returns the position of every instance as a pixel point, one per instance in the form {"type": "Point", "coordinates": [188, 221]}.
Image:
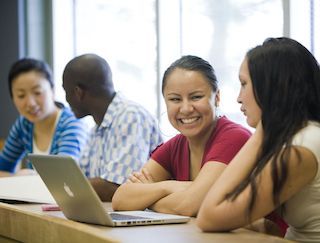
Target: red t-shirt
{"type": "Point", "coordinates": [226, 140]}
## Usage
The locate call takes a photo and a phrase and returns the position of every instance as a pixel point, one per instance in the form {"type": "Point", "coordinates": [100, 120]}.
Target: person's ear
{"type": "Point", "coordinates": [53, 93]}
{"type": "Point", "coordinates": [217, 98]}
{"type": "Point", "coordinates": [79, 93]}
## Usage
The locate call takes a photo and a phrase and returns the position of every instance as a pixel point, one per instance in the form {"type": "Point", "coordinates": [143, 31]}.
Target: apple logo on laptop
{"type": "Point", "coordinates": [67, 189]}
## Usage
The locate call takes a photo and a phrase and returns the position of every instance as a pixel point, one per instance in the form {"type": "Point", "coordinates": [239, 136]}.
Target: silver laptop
{"type": "Point", "coordinates": [78, 200]}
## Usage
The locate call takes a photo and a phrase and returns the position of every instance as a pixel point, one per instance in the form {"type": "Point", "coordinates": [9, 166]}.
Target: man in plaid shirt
{"type": "Point", "coordinates": [125, 133]}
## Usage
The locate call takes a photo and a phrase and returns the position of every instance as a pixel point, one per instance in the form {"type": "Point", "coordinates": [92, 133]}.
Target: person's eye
{"type": "Point", "coordinates": [243, 83]}
{"type": "Point", "coordinates": [20, 96]}
{"type": "Point", "coordinates": [174, 99]}
{"type": "Point", "coordinates": [38, 93]}
{"type": "Point", "coordinates": [197, 97]}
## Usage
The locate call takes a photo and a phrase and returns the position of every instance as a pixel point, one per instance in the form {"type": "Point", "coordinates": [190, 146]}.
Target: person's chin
{"type": "Point", "coordinates": [252, 124]}
{"type": "Point", "coordinates": [79, 116]}
{"type": "Point", "coordinates": [32, 117]}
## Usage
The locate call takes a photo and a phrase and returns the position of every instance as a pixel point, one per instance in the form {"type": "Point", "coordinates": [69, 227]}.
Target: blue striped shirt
{"type": "Point", "coordinates": [122, 143]}
{"type": "Point", "coordinates": [69, 138]}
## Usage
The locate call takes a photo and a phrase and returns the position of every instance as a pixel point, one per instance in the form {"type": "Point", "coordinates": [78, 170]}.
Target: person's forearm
{"type": "Point", "coordinates": [5, 173]}
{"type": "Point", "coordinates": [238, 170]}
{"type": "Point", "coordinates": [177, 203]}
{"type": "Point", "coordinates": [105, 189]}
{"type": "Point", "coordinates": [186, 202]}
{"type": "Point", "coordinates": [26, 172]}
{"type": "Point", "coordinates": [138, 196]}
{"type": "Point", "coordinates": [214, 207]}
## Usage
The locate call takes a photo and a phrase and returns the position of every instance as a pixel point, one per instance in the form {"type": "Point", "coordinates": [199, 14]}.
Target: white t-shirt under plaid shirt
{"type": "Point", "coordinates": [122, 143]}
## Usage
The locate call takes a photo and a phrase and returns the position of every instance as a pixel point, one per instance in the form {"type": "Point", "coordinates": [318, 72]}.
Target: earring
{"type": "Point", "coordinates": [165, 125]}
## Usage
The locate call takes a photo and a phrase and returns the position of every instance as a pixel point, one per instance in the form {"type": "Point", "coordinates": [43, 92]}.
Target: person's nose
{"type": "Point", "coordinates": [186, 107]}
{"type": "Point", "coordinates": [31, 101]}
{"type": "Point", "coordinates": [239, 99]}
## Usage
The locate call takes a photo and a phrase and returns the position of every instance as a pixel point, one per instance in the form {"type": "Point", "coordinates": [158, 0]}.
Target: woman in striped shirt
{"type": "Point", "coordinates": [44, 126]}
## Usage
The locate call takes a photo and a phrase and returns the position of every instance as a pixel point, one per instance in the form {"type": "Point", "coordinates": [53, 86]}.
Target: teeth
{"type": "Point", "coordinates": [33, 112]}
{"type": "Point", "coordinates": [187, 121]}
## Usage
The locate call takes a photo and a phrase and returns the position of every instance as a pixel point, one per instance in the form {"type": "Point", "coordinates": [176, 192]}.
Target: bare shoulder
{"type": "Point", "coordinates": [302, 169]}
{"type": "Point", "coordinates": [302, 161]}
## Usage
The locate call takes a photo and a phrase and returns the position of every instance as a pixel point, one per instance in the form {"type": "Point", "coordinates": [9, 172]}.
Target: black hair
{"type": "Point", "coordinates": [25, 65]}
{"type": "Point", "coordinates": [193, 63]}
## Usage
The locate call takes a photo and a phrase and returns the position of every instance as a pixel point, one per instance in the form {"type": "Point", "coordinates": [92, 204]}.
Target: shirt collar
{"type": "Point", "coordinates": [112, 108]}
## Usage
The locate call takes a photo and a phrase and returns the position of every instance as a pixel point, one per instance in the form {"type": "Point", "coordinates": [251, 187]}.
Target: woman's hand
{"type": "Point", "coordinates": [143, 177]}
{"type": "Point", "coordinates": [26, 172]}
{"type": "Point", "coordinates": [142, 188]}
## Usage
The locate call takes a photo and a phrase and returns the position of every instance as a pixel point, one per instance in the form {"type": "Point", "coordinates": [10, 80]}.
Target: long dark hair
{"type": "Point", "coordinates": [193, 63]}
{"type": "Point", "coordinates": [286, 83]}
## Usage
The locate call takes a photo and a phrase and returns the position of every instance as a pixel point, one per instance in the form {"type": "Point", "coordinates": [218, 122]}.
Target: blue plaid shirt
{"type": "Point", "coordinates": [122, 143]}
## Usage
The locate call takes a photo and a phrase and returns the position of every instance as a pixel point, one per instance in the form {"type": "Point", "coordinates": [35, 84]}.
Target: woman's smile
{"type": "Point", "coordinates": [189, 120]}
{"type": "Point", "coordinates": [191, 103]}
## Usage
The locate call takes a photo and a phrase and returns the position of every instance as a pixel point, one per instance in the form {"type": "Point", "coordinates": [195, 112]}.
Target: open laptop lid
{"type": "Point", "coordinates": [70, 188]}
{"type": "Point", "coordinates": [77, 199]}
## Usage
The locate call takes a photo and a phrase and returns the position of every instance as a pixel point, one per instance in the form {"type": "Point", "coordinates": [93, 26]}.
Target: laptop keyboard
{"type": "Point", "coordinates": [117, 216]}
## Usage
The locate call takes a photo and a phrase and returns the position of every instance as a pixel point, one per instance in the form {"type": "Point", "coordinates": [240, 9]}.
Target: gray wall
{"type": "Point", "coordinates": [11, 49]}
{"type": "Point", "coordinates": [25, 30]}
